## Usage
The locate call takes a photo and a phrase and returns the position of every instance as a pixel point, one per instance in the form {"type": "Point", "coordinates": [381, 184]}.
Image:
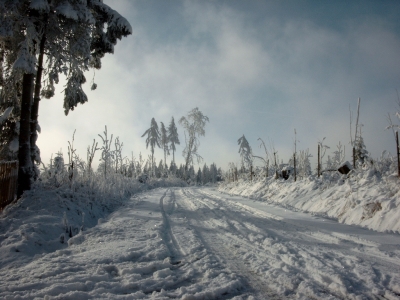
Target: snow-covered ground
{"type": "Point", "coordinates": [367, 197]}
{"type": "Point", "coordinates": [189, 243]}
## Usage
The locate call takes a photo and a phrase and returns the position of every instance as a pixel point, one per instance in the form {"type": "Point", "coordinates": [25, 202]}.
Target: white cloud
{"type": "Point", "coordinates": [261, 81]}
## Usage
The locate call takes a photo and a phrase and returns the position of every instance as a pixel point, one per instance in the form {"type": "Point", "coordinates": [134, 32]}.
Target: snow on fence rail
{"type": "Point", "coordinates": [8, 182]}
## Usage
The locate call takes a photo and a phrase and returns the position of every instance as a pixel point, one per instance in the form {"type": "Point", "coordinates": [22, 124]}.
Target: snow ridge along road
{"type": "Point", "coordinates": [196, 243]}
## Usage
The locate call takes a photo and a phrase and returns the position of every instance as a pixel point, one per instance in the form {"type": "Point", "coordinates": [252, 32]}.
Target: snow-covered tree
{"type": "Point", "coordinates": [190, 175]}
{"type": "Point", "coordinates": [199, 177]}
{"type": "Point", "coordinates": [194, 128]}
{"type": "Point", "coordinates": [245, 152]}
{"type": "Point", "coordinates": [338, 156]}
{"type": "Point", "coordinates": [205, 174]}
{"type": "Point", "coordinates": [164, 142]}
{"type": "Point", "coordinates": [107, 155]}
{"type": "Point", "coordinates": [213, 177]}
{"type": "Point", "coordinates": [304, 165]}
{"type": "Point", "coordinates": [173, 137]}
{"type": "Point", "coordinates": [73, 35]}
{"type": "Point", "coordinates": [153, 139]}
{"type": "Point", "coordinates": [361, 153]}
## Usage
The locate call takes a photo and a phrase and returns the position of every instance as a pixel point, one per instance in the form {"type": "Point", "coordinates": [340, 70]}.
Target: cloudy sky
{"type": "Point", "coordinates": [258, 68]}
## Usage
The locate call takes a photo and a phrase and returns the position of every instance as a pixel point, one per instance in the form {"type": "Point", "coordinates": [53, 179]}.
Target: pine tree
{"type": "Point", "coordinates": [153, 139]}
{"type": "Point", "coordinates": [173, 138]}
{"type": "Point", "coordinates": [213, 177]}
{"type": "Point", "coordinates": [361, 153]}
{"type": "Point", "coordinates": [199, 177]}
{"type": "Point", "coordinates": [205, 174]}
{"type": "Point", "coordinates": [164, 143]}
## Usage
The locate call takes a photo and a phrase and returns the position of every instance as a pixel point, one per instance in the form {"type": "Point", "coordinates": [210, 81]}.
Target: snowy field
{"type": "Point", "coordinates": [190, 243]}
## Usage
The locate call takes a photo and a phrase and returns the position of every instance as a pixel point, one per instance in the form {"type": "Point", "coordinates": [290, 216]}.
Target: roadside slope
{"type": "Point", "coordinates": [364, 198]}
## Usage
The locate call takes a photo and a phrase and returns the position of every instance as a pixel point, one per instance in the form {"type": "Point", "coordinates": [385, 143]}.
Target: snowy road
{"type": "Point", "coordinates": [196, 243]}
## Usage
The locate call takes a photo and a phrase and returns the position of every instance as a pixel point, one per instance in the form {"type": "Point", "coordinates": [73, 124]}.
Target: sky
{"type": "Point", "coordinates": [262, 69]}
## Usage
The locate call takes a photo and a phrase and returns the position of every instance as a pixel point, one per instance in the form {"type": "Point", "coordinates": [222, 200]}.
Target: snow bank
{"type": "Point", "coordinates": [49, 218]}
{"type": "Point", "coordinates": [364, 197]}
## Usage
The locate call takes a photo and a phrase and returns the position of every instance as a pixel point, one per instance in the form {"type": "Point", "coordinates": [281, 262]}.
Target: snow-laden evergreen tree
{"type": "Point", "coordinates": [173, 168]}
{"type": "Point", "coordinates": [361, 153]}
{"type": "Point", "coordinates": [199, 177]}
{"type": "Point", "coordinates": [160, 169]}
{"type": "Point", "coordinates": [213, 177]}
{"type": "Point", "coordinates": [153, 139]}
{"type": "Point", "coordinates": [190, 175]}
{"type": "Point", "coordinates": [304, 165]}
{"type": "Point", "coordinates": [194, 128]}
{"type": "Point", "coordinates": [173, 138]}
{"type": "Point", "coordinates": [164, 142]}
{"type": "Point", "coordinates": [205, 174]}
{"type": "Point", "coordinates": [245, 152]}
{"type": "Point", "coordinates": [338, 156]}
{"type": "Point", "coordinates": [73, 35]}
{"type": "Point", "coordinates": [219, 174]}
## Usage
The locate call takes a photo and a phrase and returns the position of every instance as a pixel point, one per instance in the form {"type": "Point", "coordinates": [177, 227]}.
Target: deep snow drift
{"type": "Point", "coordinates": [365, 197]}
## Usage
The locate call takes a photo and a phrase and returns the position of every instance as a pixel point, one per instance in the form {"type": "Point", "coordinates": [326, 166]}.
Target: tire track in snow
{"type": "Point", "coordinates": [214, 241]}
{"type": "Point", "coordinates": [167, 234]}
{"type": "Point", "coordinates": [351, 265]}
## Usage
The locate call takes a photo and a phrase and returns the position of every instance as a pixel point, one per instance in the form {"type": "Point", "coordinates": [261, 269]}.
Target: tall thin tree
{"type": "Point", "coordinates": [153, 139]}
{"type": "Point", "coordinates": [173, 138]}
{"type": "Point", "coordinates": [164, 143]}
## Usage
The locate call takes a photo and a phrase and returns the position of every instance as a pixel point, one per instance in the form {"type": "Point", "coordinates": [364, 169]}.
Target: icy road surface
{"type": "Point", "coordinates": [196, 243]}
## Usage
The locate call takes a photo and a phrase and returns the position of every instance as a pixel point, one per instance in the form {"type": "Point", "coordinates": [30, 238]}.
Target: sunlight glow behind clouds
{"type": "Point", "coordinates": [252, 75]}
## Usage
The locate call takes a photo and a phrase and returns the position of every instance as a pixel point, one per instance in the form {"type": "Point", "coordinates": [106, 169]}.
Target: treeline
{"type": "Point", "coordinates": [113, 165]}
{"type": "Point", "coordinates": [298, 165]}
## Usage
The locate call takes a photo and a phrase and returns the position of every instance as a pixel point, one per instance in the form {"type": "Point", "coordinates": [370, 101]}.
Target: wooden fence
{"type": "Point", "coordinates": [8, 182]}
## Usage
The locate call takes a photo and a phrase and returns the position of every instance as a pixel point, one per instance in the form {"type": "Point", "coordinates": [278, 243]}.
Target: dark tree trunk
{"type": "Point", "coordinates": [1, 68]}
{"type": "Point", "coordinates": [319, 160]}
{"type": "Point", "coordinates": [24, 153]}
{"type": "Point", "coordinates": [35, 107]}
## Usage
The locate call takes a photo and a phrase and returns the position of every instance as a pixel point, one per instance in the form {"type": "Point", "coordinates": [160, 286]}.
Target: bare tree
{"type": "Point", "coordinates": [266, 159]}
{"type": "Point", "coordinates": [106, 154]}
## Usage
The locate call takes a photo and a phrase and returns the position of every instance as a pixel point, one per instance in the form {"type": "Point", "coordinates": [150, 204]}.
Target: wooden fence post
{"type": "Point", "coordinates": [8, 182]}
{"type": "Point", "coordinates": [294, 162]}
{"type": "Point", "coordinates": [354, 157]}
{"type": "Point", "coordinates": [319, 160]}
{"type": "Point", "coordinates": [251, 173]}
